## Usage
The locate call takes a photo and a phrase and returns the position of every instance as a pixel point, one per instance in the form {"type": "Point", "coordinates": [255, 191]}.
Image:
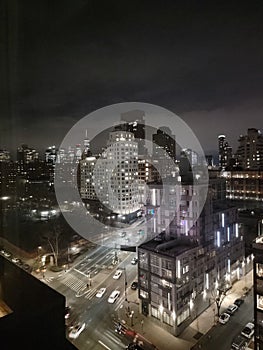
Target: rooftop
{"type": "Point", "coordinates": [171, 247]}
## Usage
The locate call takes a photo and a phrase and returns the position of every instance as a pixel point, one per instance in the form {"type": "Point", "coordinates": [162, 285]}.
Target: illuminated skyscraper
{"type": "Point", "coordinates": [224, 152]}
{"type": "Point", "coordinates": [116, 174]}
{"type": "Point", "coordinates": [250, 151]}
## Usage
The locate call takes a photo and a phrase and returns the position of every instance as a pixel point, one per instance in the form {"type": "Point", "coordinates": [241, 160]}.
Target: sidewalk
{"type": "Point", "coordinates": [161, 339]}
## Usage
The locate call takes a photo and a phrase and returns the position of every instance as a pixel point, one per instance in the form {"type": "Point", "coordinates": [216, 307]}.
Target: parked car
{"type": "Point", "coordinates": [134, 261]}
{"type": "Point", "coordinates": [26, 267]}
{"type": "Point", "coordinates": [117, 274]}
{"type": "Point", "coordinates": [7, 254]}
{"type": "Point", "coordinates": [100, 292]}
{"type": "Point", "coordinates": [238, 302]}
{"type": "Point", "coordinates": [224, 318]}
{"type": "Point", "coordinates": [15, 260]}
{"type": "Point", "coordinates": [248, 330]}
{"type": "Point", "coordinates": [134, 285]}
{"type": "Point", "coordinates": [231, 309]}
{"type": "Point", "coordinates": [76, 330]}
{"type": "Point", "coordinates": [113, 297]}
{"type": "Point", "coordinates": [239, 343]}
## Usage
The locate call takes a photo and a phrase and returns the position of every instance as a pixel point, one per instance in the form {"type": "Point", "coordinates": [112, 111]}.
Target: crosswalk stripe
{"type": "Point", "coordinates": [91, 293]}
{"type": "Point", "coordinates": [73, 283]}
{"type": "Point", "coordinates": [112, 337]}
{"type": "Point", "coordinates": [119, 302]}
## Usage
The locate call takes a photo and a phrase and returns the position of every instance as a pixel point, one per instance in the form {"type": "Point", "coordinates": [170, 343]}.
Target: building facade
{"type": "Point", "coordinates": [250, 150]}
{"type": "Point", "coordinates": [116, 174]}
{"type": "Point", "coordinates": [181, 268]}
{"type": "Point", "coordinates": [87, 190]}
{"type": "Point", "coordinates": [244, 185]}
{"type": "Point", "coordinates": [224, 152]}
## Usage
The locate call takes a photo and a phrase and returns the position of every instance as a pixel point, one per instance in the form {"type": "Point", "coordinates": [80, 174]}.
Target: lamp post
{"type": "Point", "coordinates": [125, 284]}
{"type": "Point", "coordinates": [89, 280]}
{"type": "Point", "coordinates": [3, 207]}
{"type": "Point", "coordinates": [131, 317]}
{"type": "Point", "coordinates": [38, 259]}
{"type": "Point", "coordinates": [68, 257]}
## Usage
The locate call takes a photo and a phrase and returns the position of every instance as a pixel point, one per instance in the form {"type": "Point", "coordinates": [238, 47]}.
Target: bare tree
{"type": "Point", "coordinates": [53, 240]}
{"type": "Point", "coordinates": [218, 295]}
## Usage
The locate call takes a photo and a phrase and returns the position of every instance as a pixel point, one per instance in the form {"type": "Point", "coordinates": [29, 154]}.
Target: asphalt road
{"type": "Point", "coordinates": [96, 269]}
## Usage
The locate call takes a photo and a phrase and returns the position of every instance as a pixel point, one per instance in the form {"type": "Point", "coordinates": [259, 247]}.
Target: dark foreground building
{"type": "Point", "coordinates": [35, 312]}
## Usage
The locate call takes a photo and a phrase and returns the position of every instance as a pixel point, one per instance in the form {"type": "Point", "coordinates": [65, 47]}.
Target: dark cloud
{"type": "Point", "coordinates": [203, 61]}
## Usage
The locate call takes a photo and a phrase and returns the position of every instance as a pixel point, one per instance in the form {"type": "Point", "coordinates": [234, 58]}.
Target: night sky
{"type": "Point", "coordinates": [61, 60]}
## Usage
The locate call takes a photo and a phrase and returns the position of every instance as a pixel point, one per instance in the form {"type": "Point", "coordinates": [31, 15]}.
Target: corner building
{"type": "Point", "coordinates": [181, 268]}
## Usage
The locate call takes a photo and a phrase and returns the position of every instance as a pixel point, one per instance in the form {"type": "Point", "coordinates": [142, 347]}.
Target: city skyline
{"type": "Point", "coordinates": [200, 61]}
{"type": "Point", "coordinates": [131, 174]}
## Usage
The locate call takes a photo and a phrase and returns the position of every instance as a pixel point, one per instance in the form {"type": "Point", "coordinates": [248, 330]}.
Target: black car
{"type": "Point", "coordinates": [238, 302]}
{"type": "Point", "coordinates": [134, 285]}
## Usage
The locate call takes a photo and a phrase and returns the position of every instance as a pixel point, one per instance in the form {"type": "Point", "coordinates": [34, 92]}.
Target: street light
{"type": "Point", "coordinates": [43, 271]}
{"type": "Point", "coordinates": [131, 317]}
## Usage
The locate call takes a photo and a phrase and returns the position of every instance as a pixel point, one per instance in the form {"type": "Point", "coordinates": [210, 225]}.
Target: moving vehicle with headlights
{"type": "Point", "coordinates": [100, 292]}
{"type": "Point", "coordinates": [76, 330]}
{"type": "Point", "coordinates": [117, 274]}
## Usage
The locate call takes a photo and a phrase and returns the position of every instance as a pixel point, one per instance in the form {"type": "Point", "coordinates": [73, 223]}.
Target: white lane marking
{"type": "Point", "coordinates": [112, 338]}
{"type": "Point", "coordinates": [105, 346]}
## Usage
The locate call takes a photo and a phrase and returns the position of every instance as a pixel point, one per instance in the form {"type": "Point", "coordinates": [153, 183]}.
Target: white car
{"type": "Point", "coordinates": [117, 274]}
{"type": "Point", "coordinates": [113, 297]}
{"type": "Point", "coordinates": [224, 318]}
{"type": "Point", "coordinates": [100, 292]}
{"type": "Point", "coordinates": [231, 309]}
{"type": "Point", "coordinates": [76, 330]}
{"type": "Point", "coordinates": [248, 331]}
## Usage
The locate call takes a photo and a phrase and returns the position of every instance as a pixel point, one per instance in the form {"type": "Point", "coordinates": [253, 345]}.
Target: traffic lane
{"type": "Point", "coordinates": [90, 260]}
{"type": "Point", "coordinates": [221, 336]}
{"type": "Point", "coordinates": [99, 319]}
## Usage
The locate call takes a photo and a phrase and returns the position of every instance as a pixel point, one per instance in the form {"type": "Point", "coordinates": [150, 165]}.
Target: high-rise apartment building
{"type": "Point", "coordinates": [250, 150]}
{"type": "Point", "coordinates": [135, 123]}
{"type": "Point", "coordinates": [87, 190]}
{"type": "Point", "coordinates": [4, 156]}
{"type": "Point", "coordinates": [224, 152]}
{"type": "Point", "coordinates": [51, 155]}
{"type": "Point", "coordinates": [26, 154]}
{"type": "Point", "coordinates": [116, 174]}
{"type": "Point", "coordinates": [164, 144]}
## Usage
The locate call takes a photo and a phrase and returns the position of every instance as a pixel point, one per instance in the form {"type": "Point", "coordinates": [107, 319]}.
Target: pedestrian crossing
{"type": "Point", "coordinates": [78, 286]}
{"type": "Point", "coordinates": [73, 283]}
{"type": "Point", "coordinates": [119, 303]}
{"type": "Point", "coordinates": [111, 335]}
{"type": "Point", "coordinates": [47, 279]}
